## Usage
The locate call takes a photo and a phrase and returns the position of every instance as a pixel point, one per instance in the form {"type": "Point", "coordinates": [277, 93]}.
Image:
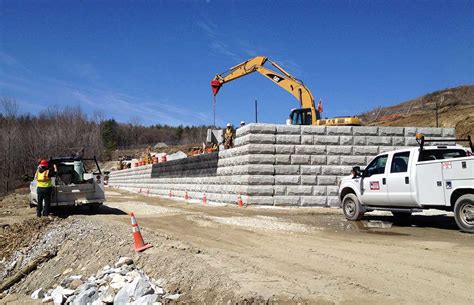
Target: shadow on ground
{"type": "Point", "coordinates": [67, 211]}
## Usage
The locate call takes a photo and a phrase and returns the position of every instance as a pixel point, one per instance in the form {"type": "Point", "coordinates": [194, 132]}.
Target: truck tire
{"type": "Point", "coordinates": [464, 213]}
{"type": "Point", "coordinates": [352, 208]}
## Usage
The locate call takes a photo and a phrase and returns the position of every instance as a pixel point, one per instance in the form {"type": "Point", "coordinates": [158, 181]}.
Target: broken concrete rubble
{"type": "Point", "coordinates": [124, 284]}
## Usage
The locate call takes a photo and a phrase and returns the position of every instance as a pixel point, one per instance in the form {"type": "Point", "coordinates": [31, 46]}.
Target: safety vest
{"type": "Point", "coordinates": [43, 179]}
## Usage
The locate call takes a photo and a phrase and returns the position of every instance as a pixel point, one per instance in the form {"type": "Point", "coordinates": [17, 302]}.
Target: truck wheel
{"type": "Point", "coordinates": [464, 213]}
{"type": "Point", "coordinates": [352, 208]}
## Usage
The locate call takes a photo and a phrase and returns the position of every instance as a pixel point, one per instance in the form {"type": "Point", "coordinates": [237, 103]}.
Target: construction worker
{"type": "Point", "coordinates": [228, 137]}
{"type": "Point", "coordinates": [44, 187]}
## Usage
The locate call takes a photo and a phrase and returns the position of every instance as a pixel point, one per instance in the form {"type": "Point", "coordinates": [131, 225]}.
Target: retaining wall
{"type": "Point", "coordinates": [273, 164]}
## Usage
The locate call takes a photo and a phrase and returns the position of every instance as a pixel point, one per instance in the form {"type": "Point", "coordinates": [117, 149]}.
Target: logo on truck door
{"type": "Point", "coordinates": [374, 185]}
{"type": "Point", "coordinates": [446, 165]}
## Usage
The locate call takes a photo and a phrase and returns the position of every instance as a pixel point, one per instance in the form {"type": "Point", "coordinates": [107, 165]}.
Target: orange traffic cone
{"type": "Point", "coordinates": [239, 201]}
{"type": "Point", "coordinates": [204, 199]}
{"type": "Point", "coordinates": [137, 236]}
{"type": "Point", "coordinates": [186, 196]}
{"type": "Point", "coordinates": [170, 194]}
{"type": "Point", "coordinates": [140, 190]}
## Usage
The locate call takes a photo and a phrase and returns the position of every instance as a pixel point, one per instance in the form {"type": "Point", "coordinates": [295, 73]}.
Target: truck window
{"type": "Point", "coordinates": [400, 162]}
{"type": "Point", "coordinates": [377, 166]}
{"type": "Point", "coordinates": [440, 154]}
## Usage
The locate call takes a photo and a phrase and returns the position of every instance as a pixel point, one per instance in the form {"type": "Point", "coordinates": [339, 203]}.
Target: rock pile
{"type": "Point", "coordinates": [122, 284]}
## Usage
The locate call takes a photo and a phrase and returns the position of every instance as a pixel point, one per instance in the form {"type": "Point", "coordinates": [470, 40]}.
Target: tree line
{"type": "Point", "coordinates": [26, 138]}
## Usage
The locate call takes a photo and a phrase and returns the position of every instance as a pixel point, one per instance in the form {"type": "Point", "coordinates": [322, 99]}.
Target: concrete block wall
{"type": "Point", "coordinates": [274, 164]}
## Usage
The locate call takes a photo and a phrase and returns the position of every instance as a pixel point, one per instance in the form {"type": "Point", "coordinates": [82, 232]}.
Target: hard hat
{"type": "Point", "coordinates": [44, 163]}
{"type": "Point", "coordinates": [242, 122]}
{"type": "Point", "coordinates": [228, 125]}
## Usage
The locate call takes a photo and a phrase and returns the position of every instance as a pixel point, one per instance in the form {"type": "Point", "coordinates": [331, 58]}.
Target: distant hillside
{"type": "Point", "coordinates": [455, 109]}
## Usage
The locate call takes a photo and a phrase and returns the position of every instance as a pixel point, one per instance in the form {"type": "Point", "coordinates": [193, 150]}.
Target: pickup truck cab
{"type": "Point", "coordinates": [412, 179]}
{"type": "Point", "coordinates": [78, 181]}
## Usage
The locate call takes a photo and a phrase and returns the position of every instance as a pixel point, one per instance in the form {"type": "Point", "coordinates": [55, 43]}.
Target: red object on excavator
{"type": "Point", "coordinates": [215, 85]}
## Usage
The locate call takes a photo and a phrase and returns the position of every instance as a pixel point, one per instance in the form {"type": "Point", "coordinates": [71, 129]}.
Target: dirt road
{"type": "Point", "coordinates": [216, 254]}
{"type": "Point", "coordinates": [314, 254]}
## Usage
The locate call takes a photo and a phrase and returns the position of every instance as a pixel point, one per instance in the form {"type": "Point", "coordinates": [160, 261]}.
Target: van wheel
{"type": "Point", "coordinates": [464, 213]}
{"type": "Point", "coordinates": [352, 208]}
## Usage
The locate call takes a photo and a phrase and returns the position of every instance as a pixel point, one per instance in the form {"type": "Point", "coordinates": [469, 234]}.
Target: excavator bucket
{"type": "Point", "coordinates": [215, 85]}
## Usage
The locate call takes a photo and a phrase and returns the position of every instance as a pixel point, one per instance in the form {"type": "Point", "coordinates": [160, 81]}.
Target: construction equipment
{"type": "Point", "coordinates": [308, 114]}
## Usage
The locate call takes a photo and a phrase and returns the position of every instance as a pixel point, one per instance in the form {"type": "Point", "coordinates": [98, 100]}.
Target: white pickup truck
{"type": "Point", "coordinates": [412, 179]}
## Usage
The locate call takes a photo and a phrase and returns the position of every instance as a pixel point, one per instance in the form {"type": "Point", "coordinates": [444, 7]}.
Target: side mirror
{"type": "Point", "coordinates": [356, 172]}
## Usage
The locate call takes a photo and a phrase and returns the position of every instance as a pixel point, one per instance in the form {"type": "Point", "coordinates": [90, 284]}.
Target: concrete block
{"type": "Point", "coordinates": [365, 131]}
{"type": "Point", "coordinates": [286, 200]}
{"type": "Point", "coordinates": [398, 140]}
{"type": "Point", "coordinates": [307, 139]}
{"type": "Point", "coordinates": [333, 160]}
{"type": "Point", "coordinates": [360, 140]}
{"type": "Point", "coordinates": [391, 131]}
{"type": "Point", "coordinates": [379, 140]}
{"type": "Point", "coordinates": [288, 129]}
{"type": "Point", "coordinates": [336, 170]}
{"type": "Point", "coordinates": [259, 200]}
{"type": "Point", "coordinates": [449, 132]}
{"type": "Point", "coordinates": [353, 160]}
{"type": "Point", "coordinates": [339, 130]}
{"type": "Point", "coordinates": [255, 139]}
{"type": "Point", "coordinates": [327, 180]}
{"type": "Point", "coordinates": [313, 130]}
{"type": "Point", "coordinates": [318, 160]}
{"type": "Point", "coordinates": [430, 131]}
{"type": "Point", "coordinates": [383, 149]}
{"type": "Point", "coordinates": [279, 190]}
{"type": "Point", "coordinates": [310, 169]}
{"type": "Point", "coordinates": [256, 128]}
{"type": "Point", "coordinates": [300, 159]}
{"type": "Point", "coordinates": [346, 140]}
{"type": "Point", "coordinates": [410, 141]}
{"type": "Point", "coordinates": [333, 202]}
{"type": "Point", "coordinates": [332, 190]}
{"type": "Point", "coordinates": [254, 179]}
{"type": "Point", "coordinates": [259, 149]}
{"type": "Point", "coordinates": [310, 149]}
{"type": "Point", "coordinates": [254, 169]}
{"type": "Point", "coordinates": [308, 180]}
{"type": "Point", "coordinates": [319, 201]}
{"type": "Point", "coordinates": [258, 190]}
{"type": "Point", "coordinates": [365, 150]}
{"type": "Point", "coordinates": [339, 150]}
{"type": "Point", "coordinates": [287, 169]}
{"type": "Point", "coordinates": [288, 139]}
{"type": "Point", "coordinates": [287, 179]}
{"type": "Point", "coordinates": [410, 131]}
{"type": "Point", "coordinates": [261, 159]}
{"type": "Point", "coordinates": [319, 190]}
{"type": "Point", "coordinates": [285, 149]}
{"type": "Point", "coordinates": [282, 159]}
{"type": "Point", "coordinates": [322, 140]}
{"type": "Point", "coordinates": [299, 190]}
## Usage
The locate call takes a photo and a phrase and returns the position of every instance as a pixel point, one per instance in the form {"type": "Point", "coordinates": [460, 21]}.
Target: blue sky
{"type": "Point", "coordinates": [152, 61]}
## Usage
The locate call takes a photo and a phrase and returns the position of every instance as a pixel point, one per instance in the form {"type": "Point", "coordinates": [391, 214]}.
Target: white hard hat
{"type": "Point", "coordinates": [228, 125]}
{"type": "Point", "coordinates": [242, 122]}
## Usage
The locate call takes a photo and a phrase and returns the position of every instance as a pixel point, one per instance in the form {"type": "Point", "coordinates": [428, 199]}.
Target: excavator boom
{"type": "Point", "coordinates": [307, 115]}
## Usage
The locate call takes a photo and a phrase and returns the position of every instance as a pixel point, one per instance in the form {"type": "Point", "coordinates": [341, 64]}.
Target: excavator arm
{"type": "Point", "coordinates": [282, 78]}
{"type": "Point", "coordinates": [308, 114]}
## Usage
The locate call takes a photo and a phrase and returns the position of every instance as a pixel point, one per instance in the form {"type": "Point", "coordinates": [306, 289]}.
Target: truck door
{"type": "Point", "coordinates": [399, 183]}
{"type": "Point", "coordinates": [374, 184]}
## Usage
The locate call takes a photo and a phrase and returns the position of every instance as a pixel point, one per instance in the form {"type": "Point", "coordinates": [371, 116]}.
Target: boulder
{"type": "Point", "coordinates": [38, 294]}
{"type": "Point", "coordinates": [123, 261]}
{"type": "Point", "coordinates": [173, 297]}
{"type": "Point", "coordinates": [139, 287]}
{"type": "Point", "coordinates": [86, 297]}
{"type": "Point", "coordinates": [107, 296]}
{"type": "Point", "coordinates": [122, 297]}
{"type": "Point", "coordinates": [59, 294]}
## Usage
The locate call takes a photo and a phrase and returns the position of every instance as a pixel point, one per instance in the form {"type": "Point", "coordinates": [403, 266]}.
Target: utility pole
{"type": "Point", "coordinates": [256, 111]}
{"type": "Point", "coordinates": [437, 106]}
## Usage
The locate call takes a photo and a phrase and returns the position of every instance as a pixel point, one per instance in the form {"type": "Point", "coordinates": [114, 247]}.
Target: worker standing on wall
{"type": "Point", "coordinates": [229, 136]}
{"type": "Point", "coordinates": [44, 187]}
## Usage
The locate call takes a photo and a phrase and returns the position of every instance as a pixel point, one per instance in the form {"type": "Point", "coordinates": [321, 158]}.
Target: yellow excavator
{"type": "Point", "coordinates": [308, 114]}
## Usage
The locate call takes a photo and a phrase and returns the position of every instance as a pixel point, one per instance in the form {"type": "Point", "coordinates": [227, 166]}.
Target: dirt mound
{"type": "Point", "coordinates": [20, 235]}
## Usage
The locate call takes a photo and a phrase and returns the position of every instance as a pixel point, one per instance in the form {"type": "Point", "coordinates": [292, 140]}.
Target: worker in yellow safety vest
{"type": "Point", "coordinates": [229, 136]}
{"type": "Point", "coordinates": [44, 187]}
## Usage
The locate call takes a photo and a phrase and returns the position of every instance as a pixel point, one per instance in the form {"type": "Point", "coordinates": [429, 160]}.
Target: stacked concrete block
{"type": "Point", "coordinates": [274, 164]}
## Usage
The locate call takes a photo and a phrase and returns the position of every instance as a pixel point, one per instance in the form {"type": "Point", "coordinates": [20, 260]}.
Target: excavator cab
{"type": "Point", "coordinates": [302, 116]}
